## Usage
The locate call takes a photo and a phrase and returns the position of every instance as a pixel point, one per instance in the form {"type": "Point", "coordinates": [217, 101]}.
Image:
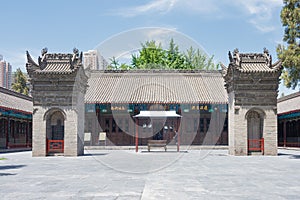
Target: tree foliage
{"type": "Point", "coordinates": [195, 59]}
{"type": "Point", "coordinates": [153, 56]}
{"type": "Point", "coordinates": [290, 55]}
{"type": "Point", "coordinates": [114, 63]}
{"type": "Point", "coordinates": [174, 59]}
{"type": "Point", "coordinates": [19, 84]}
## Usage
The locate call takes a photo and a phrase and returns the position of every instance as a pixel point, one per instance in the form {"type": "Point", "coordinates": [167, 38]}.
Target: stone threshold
{"type": "Point", "coordinates": [169, 147]}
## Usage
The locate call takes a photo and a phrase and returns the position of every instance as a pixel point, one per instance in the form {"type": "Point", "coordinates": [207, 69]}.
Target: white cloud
{"type": "Point", "coordinates": [198, 6]}
{"type": "Point", "coordinates": [259, 13]}
{"type": "Point", "coordinates": [260, 6]}
{"type": "Point", "coordinates": [166, 6]}
{"type": "Point", "coordinates": [161, 36]}
{"type": "Point", "coordinates": [156, 6]}
{"type": "Point", "coordinates": [261, 26]}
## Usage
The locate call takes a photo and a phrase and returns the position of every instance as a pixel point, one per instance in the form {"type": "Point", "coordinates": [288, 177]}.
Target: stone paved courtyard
{"type": "Point", "coordinates": [116, 174]}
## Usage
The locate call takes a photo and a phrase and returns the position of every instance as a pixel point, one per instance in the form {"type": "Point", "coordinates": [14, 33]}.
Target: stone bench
{"type": "Point", "coordinates": [157, 143]}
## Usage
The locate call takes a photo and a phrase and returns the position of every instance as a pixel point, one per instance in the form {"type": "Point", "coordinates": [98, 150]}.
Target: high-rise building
{"type": "Point", "coordinates": [8, 75]}
{"type": "Point", "coordinates": [90, 59]}
{"type": "Point", "coordinates": [5, 74]}
{"type": "Point", "coordinates": [94, 60]}
{"type": "Point", "coordinates": [2, 74]}
{"type": "Point", "coordinates": [102, 62]}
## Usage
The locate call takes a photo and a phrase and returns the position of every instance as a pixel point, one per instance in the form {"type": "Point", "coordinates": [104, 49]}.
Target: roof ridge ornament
{"type": "Point", "coordinates": [42, 60]}
{"type": "Point", "coordinates": [268, 57]}
{"type": "Point", "coordinates": [31, 65]}
{"type": "Point", "coordinates": [230, 57]}
{"type": "Point", "coordinates": [76, 58]}
{"type": "Point", "coordinates": [236, 57]}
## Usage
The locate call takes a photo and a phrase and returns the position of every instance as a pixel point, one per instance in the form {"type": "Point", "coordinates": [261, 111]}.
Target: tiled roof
{"type": "Point", "coordinates": [288, 103]}
{"type": "Point", "coordinates": [156, 86]}
{"type": "Point", "coordinates": [258, 66]}
{"type": "Point", "coordinates": [253, 62]}
{"type": "Point", "coordinates": [13, 100]}
{"type": "Point", "coordinates": [58, 66]}
{"type": "Point", "coordinates": [55, 63]}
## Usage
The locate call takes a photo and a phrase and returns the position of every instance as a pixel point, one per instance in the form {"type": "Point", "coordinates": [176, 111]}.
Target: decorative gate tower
{"type": "Point", "coordinates": [58, 87]}
{"type": "Point", "coordinates": [252, 85]}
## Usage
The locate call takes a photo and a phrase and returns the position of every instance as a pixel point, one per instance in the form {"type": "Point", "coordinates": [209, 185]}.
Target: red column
{"type": "Point", "coordinates": [136, 135]}
{"type": "Point", "coordinates": [7, 131]}
{"type": "Point", "coordinates": [263, 146]}
{"type": "Point", "coordinates": [178, 135]}
{"type": "Point", "coordinates": [284, 133]}
{"type": "Point", "coordinates": [27, 133]}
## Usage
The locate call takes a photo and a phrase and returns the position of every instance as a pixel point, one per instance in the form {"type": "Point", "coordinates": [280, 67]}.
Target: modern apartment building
{"type": "Point", "coordinates": [94, 60]}
{"type": "Point", "coordinates": [5, 73]}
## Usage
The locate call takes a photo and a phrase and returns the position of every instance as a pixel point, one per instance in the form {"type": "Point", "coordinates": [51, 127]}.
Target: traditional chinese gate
{"type": "Point", "coordinates": [255, 130]}
{"type": "Point", "coordinates": [55, 132]}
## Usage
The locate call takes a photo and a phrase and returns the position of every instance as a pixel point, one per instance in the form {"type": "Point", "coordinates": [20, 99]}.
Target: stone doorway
{"type": "Point", "coordinates": [55, 132]}
{"type": "Point", "coordinates": [255, 121]}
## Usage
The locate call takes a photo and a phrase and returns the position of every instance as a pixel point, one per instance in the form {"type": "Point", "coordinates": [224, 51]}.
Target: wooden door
{"type": "Point", "coordinates": [254, 129]}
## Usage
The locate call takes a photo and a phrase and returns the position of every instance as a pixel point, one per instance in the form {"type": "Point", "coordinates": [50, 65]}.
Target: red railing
{"type": "Point", "coordinates": [289, 144]}
{"type": "Point", "coordinates": [256, 145]}
{"type": "Point", "coordinates": [13, 145]}
{"type": "Point", "coordinates": [55, 146]}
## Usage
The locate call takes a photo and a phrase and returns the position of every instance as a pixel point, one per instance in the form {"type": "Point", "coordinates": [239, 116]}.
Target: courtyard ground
{"type": "Point", "coordinates": [124, 174]}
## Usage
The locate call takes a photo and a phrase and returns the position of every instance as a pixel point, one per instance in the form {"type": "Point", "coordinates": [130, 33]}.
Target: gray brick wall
{"type": "Point", "coordinates": [38, 132]}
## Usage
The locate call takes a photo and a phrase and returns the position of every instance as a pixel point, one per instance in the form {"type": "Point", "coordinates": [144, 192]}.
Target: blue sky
{"type": "Point", "coordinates": [218, 26]}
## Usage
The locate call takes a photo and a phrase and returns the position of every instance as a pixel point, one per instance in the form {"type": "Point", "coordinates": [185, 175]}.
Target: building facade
{"type": "Point", "coordinates": [115, 97]}
{"type": "Point", "coordinates": [289, 120]}
{"type": "Point", "coordinates": [102, 62]}
{"type": "Point", "coordinates": [252, 84]}
{"type": "Point", "coordinates": [94, 60]}
{"type": "Point", "coordinates": [5, 74]}
{"type": "Point", "coordinates": [245, 118]}
{"type": "Point", "coordinates": [58, 88]}
{"type": "Point", "coordinates": [90, 59]}
{"type": "Point", "coordinates": [15, 120]}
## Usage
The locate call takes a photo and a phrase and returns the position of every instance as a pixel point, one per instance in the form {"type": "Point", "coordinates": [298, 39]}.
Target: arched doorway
{"type": "Point", "coordinates": [55, 131]}
{"type": "Point", "coordinates": [255, 121]}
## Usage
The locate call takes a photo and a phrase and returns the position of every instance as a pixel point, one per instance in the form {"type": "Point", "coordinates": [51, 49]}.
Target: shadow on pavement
{"type": "Point", "coordinates": [95, 154]}
{"type": "Point", "coordinates": [4, 167]}
{"type": "Point", "coordinates": [6, 174]}
{"type": "Point", "coordinates": [284, 154]}
{"type": "Point", "coordinates": [291, 156]}
{"type": "Point", "coordinates": [164, 152]}
{"type": "Point", "coordinates": [295, 157]}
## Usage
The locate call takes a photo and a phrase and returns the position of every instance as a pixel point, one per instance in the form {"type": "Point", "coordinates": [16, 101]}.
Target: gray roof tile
{"type": "Point", "coordinates": [252, 62]}
{"type": "Point", "coordinates": [288, 103]}
{"type": "Point", "coordinates": [153, 87]}
{"type": "Point", "coordinates": [12, 100]}
{"type": "Point", "coordinates": [58, 66]}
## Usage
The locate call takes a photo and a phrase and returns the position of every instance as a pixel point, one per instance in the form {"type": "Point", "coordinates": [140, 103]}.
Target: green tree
{"type": "Point", "coordinates": [114, 63]}
{"type": "Point", "coordinates": [151, 56]}
{"type": "Point", "coordinates": [195, 59]}
{"type": "Point", "coordinates": [19, 84]}
{"type": "Point", "coordinates": [290, 55]}
{"type": "Point", "coordinates": [174, 59]}
{"type": "Point", "coordinates": [124, 66]}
